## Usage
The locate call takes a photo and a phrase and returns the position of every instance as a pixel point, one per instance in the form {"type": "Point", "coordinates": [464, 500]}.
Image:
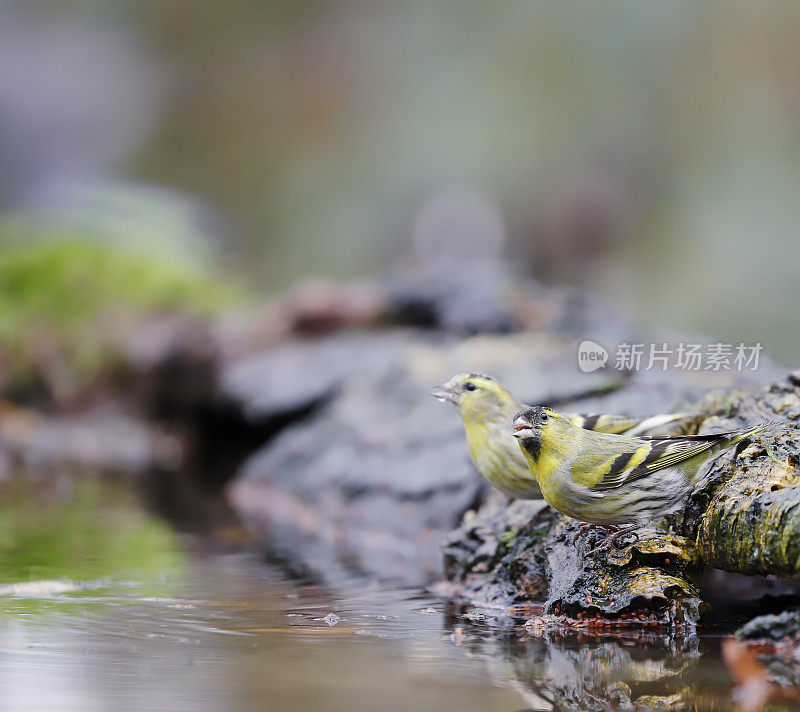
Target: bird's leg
{"type": "Point", "coordinates": [584, 527]}
{"type": "Point", "coordinates": [615, 535]}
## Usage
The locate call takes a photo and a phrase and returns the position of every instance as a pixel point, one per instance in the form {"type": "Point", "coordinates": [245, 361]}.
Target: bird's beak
{"type": "Point", "coordinates": [445, 394]}
{"type": "Point", "coordinates": [522, 428]}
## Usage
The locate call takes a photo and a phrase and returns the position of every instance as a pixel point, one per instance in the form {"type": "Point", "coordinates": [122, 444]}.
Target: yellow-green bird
{"type": "Point", "coordinates": [613, 480]}
{"type": "Point", "coordinates": [487, 409]}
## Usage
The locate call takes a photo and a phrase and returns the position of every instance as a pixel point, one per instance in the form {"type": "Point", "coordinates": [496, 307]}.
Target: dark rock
{"type": "Point", "coordinates": [777, 628]}
{"type": "Point", "coordinates": [512, 555]}
{"type": "Point", "coordinates": [445, 300]}
{"type": "Point", "coordinates": [773, 644]}
{"type": "Point", "coordinates": [650, 578]}
{"type": "Point", "coordinates": [496, 555]}
{"type": "Point", "coordinates": [306, 371]}
{"type": "Point", "coordinates": [370, 480]}
{"type": "Point", "coordinates": [174, 364]}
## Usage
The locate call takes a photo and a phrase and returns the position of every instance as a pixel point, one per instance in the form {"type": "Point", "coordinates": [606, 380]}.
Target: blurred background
{"type": "Point", "coordinates": [647, 151]}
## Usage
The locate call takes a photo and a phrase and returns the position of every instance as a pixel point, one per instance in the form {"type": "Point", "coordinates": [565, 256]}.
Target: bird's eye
{"type": "Point", "coordinates": [543, 417]}
{"type": "Point", "coordinates": [470, 386]}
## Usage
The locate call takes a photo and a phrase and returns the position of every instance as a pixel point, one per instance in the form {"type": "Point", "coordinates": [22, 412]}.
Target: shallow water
{"type": "Point", "coordinates": [104, 606]}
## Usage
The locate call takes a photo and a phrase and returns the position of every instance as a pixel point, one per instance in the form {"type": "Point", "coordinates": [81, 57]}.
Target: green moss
{"type": "Point", "coordinates": [770, 451]}
{"type": "Point", "coordinates": [68, 304]}
{"type": "Point", "coordinates": [751, 522]}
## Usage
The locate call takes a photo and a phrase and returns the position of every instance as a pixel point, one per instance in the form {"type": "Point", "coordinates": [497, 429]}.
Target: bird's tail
{"type": "Point", "coordinates": [725, 439]}
{"type": "Point", "coordinates": [739, 435]}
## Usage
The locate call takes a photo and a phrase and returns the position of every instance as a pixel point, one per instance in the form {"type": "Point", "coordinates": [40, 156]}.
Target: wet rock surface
{"type": "Point", "coordinates": [526, 552]}
{"type": "Point", "coordinates": [497, 555]}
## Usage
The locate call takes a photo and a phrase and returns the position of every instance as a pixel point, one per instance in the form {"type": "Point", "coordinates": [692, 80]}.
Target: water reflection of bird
{"type": "Point", "coordinates": [613, 480]}
{"type": "Point", "coordinates": [487, 409]}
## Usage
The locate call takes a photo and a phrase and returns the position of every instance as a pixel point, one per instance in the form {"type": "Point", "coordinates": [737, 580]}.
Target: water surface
{"type": "Point", "coordinates": [105, 606]}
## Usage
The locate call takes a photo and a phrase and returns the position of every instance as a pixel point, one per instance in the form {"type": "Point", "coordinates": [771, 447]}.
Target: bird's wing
{"type": "Point", "coordinates": [666, 424]}
{"type": "Point", "coordinates": [604, 423]}
{"type": "Point", "coordinates": [618, 424]}
{"type": "Point", "coordinates": [655, 453]}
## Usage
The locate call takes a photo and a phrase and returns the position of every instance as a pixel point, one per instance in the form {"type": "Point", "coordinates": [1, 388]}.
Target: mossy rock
{"type": "Point", "coordinates": [648, 580]}
{"type": "Point", "coordinates": [744, 515]}
{"type": "Point", "coordinates": [69, 304]}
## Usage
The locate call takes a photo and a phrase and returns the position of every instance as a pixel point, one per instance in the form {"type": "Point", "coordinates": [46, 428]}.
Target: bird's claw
{"type": "Point", "coordinates": [583, 527]}
{"type": "Point", "coordinates": [614, 539]}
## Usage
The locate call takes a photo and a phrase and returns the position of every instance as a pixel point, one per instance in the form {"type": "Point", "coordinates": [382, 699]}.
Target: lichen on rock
{"type": "Point", "coordinates": [511, 556]}
{"type": "Point", "coordinates": [744, 516]}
